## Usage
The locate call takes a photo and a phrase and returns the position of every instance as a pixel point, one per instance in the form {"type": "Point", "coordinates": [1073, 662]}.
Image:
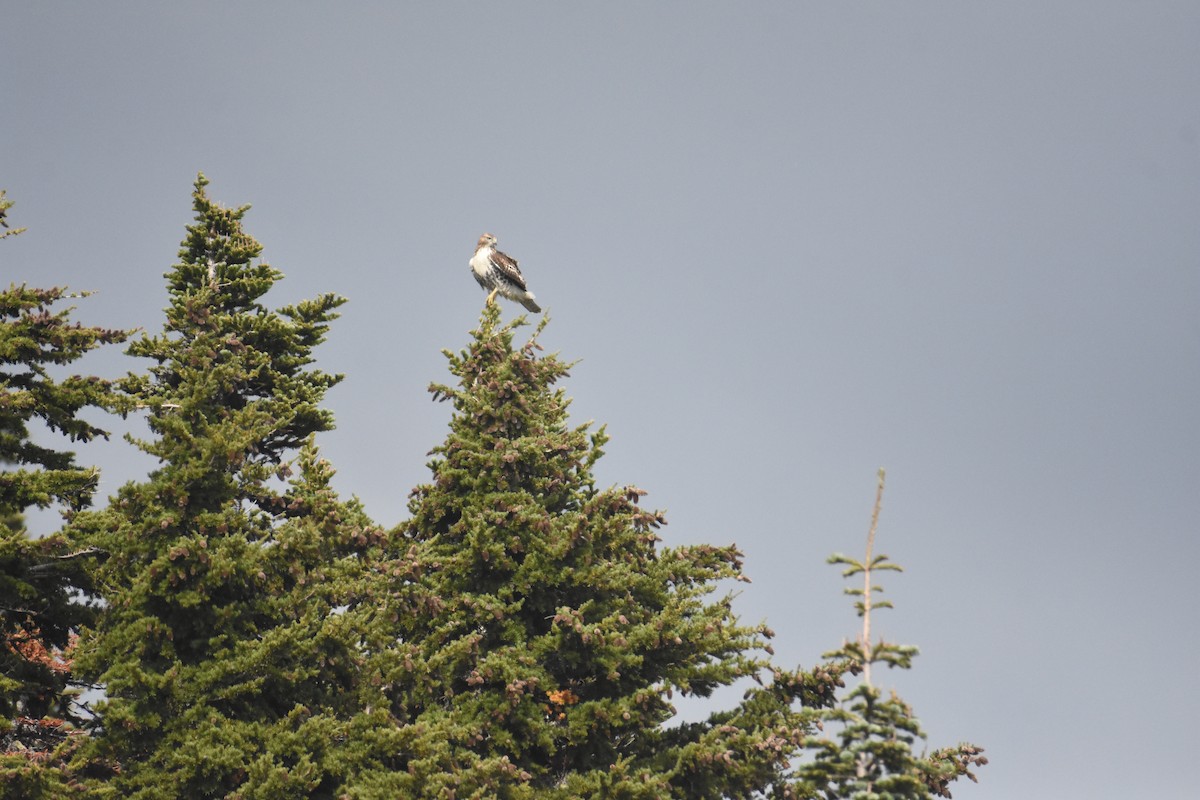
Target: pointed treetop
{"type": "Point", "coordinates": [551, 629]}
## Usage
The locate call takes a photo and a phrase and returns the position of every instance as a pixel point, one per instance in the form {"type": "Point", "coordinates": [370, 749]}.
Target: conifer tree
{"type": "Point", "coordinates": [41, 580]}
{"type": "Point", "coordinates": [872, 756]}
{"type": "Point", "coordinates": [540, 631]}
{"type": "Point", "coordinates": [226, 663]}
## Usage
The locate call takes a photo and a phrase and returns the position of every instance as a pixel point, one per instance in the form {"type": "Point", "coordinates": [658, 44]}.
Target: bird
{"type": "Point", "coordinates": [498, 272]}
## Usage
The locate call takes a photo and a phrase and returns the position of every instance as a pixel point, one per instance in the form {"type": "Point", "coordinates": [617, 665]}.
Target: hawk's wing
{"type": "Point", "coordinates": [507, 267]}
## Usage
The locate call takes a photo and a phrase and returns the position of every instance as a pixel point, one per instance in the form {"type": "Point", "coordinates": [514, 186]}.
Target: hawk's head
{"type": "Point", "coordinates": [487, 240]}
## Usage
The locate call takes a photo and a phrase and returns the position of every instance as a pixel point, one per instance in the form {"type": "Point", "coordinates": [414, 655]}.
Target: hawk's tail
{"type": "Point", "coordinates": [527, 301]}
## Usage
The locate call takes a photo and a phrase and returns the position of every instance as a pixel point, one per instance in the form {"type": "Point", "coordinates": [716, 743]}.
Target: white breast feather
{"type": "Point", "coordinates": [480, 262]}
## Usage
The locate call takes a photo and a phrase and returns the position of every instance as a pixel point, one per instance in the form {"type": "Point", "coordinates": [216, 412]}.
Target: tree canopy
{"type": "Point", "coordinates": [44, 582]}
{"type": "Point", "coordinates": [219, 649]}
{"type": "Point", "coordinates": [525, 633]}
{"type": "Point", "coordinates": [552, 629]}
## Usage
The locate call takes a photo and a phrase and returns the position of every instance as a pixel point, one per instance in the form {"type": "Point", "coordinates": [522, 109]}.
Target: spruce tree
{"type": "Point", "coordinates": [226, 662]}
{"type": "Point", "coordinates": [865, 751]}
{"type": "Point", "coordinates": [42, 580]}
{"type": "Point", "coordinates": [539, 631]}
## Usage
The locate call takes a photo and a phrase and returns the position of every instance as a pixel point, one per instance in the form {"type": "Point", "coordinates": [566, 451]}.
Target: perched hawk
{"type": "Point", "coordinates": [499, 273]}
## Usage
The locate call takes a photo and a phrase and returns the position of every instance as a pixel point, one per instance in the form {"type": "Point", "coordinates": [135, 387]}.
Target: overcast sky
{"type": "Point", "coordinates": [790, 243]}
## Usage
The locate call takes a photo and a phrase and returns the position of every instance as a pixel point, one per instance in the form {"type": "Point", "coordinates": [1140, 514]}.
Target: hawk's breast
{"type": "Point", "coordinates": [481, 266]}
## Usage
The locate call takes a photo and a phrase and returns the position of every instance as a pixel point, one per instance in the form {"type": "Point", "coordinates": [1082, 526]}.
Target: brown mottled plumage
{"type": "Point", "coordinates": [500, 274]}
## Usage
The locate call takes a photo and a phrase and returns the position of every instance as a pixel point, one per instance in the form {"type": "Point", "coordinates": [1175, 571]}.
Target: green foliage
{"type": "Point", "coordinates": [226, 661]}
{"type": "Point", "coordinates": [870, 755]}
{"type": "Point", "coordinates": [5, 205]}
{"type": "Point", "coordinates": [523, 635]}
{"type": "Point", "coordinates": [33, 339]}
{"type": "Point", "coordinates": [41, 580]}
{"type": "Point", "coordinates": [540, 630]}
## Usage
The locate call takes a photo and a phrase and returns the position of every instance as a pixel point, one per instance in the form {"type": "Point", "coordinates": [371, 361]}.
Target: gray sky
{"type": "Point", "coordinates": [790, 242]}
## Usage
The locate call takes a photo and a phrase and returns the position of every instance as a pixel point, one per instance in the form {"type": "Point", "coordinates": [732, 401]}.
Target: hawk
{"type": "Point", "coordinates": [499, 273]}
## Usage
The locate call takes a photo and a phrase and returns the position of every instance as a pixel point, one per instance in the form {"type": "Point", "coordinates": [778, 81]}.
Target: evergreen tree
{"type": "Point", "coordinates": [41, 580]}
{"type": "Point", "coordinates": [872, 756]}
{"type": "Point", "coordinates": [537, 631]}
{"type": "Point", "coordinates": [227, 664]}
{"type": "Point", "coordinates": [522, 635]}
